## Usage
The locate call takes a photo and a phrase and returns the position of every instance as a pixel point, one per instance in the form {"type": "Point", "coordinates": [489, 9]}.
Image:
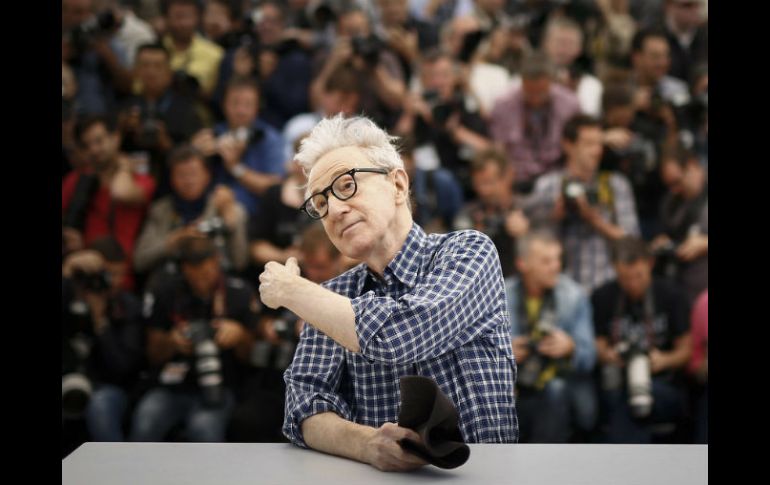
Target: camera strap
{"type": "Point", "coordinates": [648, 315]}
{"type": "Point", "coordinates": [547, 303]}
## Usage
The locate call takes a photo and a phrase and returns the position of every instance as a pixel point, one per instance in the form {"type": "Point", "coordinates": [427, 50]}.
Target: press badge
{"type": "Point", "coordinates": [174, 373]}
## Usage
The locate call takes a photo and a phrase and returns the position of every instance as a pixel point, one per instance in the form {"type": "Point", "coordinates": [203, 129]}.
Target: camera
{"type": "Point", "coordinates": [532, 368]}
{"type": "Point", "coordinates": [638, 376]}
{"type": "Point", "coordinates": [368, 48]}
{"type": "Point", "coordinates": [207, 362]}
{"type": "Point", "coordinates": [572, 189]}
{"type": "Point", "coordinates": [76, 387]}
{"type": "Point", "coordinates": [96, 282]}
{"type": "Point", "coordinates": [102, 24]}
{"type": "Point", "coordinates": [666, 262]}
{"type": "Point", "coordinates": [443, 110]}
{"type": "Point", "coordinates": [217, 231]}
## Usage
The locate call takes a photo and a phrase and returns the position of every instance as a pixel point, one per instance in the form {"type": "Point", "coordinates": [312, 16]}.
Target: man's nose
{"type": "Point", "coordinates": [337, 207]}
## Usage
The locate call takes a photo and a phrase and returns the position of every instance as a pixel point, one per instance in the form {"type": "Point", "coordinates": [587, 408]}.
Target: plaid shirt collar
{"type": "Point", "coordinates": [405, 266]}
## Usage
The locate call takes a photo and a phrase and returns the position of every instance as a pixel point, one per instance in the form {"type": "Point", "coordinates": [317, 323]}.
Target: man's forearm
{"type": "Point", "coordinates": [327, 311]}
{"type": "Point", "coordinates": [331, 434]}
{"type": "Point", "coordinates": [125, 189]}
{"type": "Point", "coordinates": [258, 182]}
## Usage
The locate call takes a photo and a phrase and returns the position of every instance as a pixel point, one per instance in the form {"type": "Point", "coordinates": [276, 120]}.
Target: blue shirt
{"type": "Point", "coordinates": [439, 311]}
{"type": "Point", "coordinates": [264, 156]}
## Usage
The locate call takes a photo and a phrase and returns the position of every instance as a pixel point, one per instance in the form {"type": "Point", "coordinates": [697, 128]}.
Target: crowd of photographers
{"type": "Point", "coordinates": [574, 133]}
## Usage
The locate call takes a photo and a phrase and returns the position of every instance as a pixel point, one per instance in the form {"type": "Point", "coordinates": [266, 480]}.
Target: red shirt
{"type": "Point", "coordinates": [128, 219]}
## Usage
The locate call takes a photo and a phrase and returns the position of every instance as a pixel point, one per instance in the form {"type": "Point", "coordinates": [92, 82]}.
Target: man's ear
{"type": "Point", "coordinates": [401, 181]}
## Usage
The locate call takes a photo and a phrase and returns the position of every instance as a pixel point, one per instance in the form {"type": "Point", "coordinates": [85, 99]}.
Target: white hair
{"type": "Point", "coordinates": [357, 131]}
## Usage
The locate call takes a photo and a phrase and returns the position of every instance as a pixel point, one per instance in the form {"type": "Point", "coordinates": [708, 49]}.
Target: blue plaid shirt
{"type": "Point", "coordinates": [440, 312]}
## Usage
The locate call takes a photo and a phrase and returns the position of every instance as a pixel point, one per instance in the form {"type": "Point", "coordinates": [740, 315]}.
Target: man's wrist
{"type": "Point", "coordinates": [238, 170]}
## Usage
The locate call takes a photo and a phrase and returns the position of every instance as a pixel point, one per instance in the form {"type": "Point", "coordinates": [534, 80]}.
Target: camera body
{"type": "Point", "coordinates": [207, 362]}
{"type": "Point", "coordinates": [95, 282]}
{"type": "Point", "coordinates": [102, 24]}
{"type": "Point", "coordinates": [368, 48]}
{"type": "Point", "coordinates": [573, 189]}
{"type": "Point", "coordinates": [530, 370]}
{"type": "Point", "coordinates": [442, 110]}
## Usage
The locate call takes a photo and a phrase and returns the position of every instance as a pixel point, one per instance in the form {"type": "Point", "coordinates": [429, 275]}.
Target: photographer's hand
{"type": "Point", "coordinates": [181, 343]}
{"type": "Point", "coordinates": [520, 348]}
{"type": "Point", "coordinates": [87, 261]}
{"type": "Point", "coordinates": [205, 141]}
{"type": "Point", "coordinates": [617, 138]}
{"type": "Point", "coordinates": [556, 344]}
{"type": "Point", "coordinates": [97, 303]}
{"type": "Point", "coordinates": [559, 209]}
{"type": "Point", "coordinates": [224, 202]}
{"type": "Point", "coordinates": [228, 333]}
{"type": "Point", "coordinates": [695, 246]}
{"type": "Point", "coordinates": [516, 223]}
{"type": "Point", "coordinates": [658, 361]}
{"type": "Point", "coordinates": [178, 234]}
{"type": "Point", "coordinates": [231, 151]}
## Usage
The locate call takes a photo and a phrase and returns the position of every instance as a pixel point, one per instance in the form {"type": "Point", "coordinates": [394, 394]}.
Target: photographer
{"type": "Point", "coordinates": [100, 63]}
{"type": "Point", "coordinates": [194, 59]}
{"type": "Point", "coordinates": [589, 208]}
{"type": "Point", "coordinates": [269, 54]}
{"type": "Point", "coordinates": [553, 343]}
{"type": "Point", "coordinates": [200, 328]}
{"type": "Point", "coordinates": [444, 117]}
{"type": "Point", "coordinates": [158, 117]}
{"type": "Point", "coordinates": [384, 88]}
{"type": "Point", "coordinates": [102, 340]}
{"type": "Point", "coordinates": [195, 207]}
{"type": "Point", "coordinates": [496, 212]}
{"type": "Point", "coordinates": [633, 147]}
{"type": "Point", "coordinates": [643, 345]}
{"type": "Point", "coordinates": [108, 197]}
{"type": "Point", "coordinates": [681, 249]}
{"type": "Point", "coordinates": [527, 121]}
{"type": "Point", "coordinates": [246, 152]}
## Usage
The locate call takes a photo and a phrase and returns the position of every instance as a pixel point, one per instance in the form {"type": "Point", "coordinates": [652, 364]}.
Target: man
{"type": "Point", "coordinates": [553, 341]}
{"type": "Point", "coordinates": [194, 205]}
{"type": "Point", "coordinates": [157, 118]}
{"type": "Point", "coordinates": [651, 59]}
{"type": "Point", "coordinates": [427, 305]}
{"type": "Point", "coordinates": [589, 208]}
{"type": "Point", "coordinates": [199, 334]}
{"type": "Point", "coordinates": [528, 121]}
{"type": "Point", "coordinates": [191, 53]}
{"type": "Point", "coordinates": [250, 150]}
{"type": "Point", "coordinates": [638, 315]}
{"type": "Point", "coordinates": [108, 197]}
{"type": "Point", "coordinates": [496, 212]}
{"type": "Point", "coordinates": [688, 36]}
{"type": "Point", "coordinates": [102, 335]}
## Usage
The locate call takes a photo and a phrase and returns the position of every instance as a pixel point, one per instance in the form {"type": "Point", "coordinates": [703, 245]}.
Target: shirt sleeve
{"type": "Point", "coordinates": [312, 383]}
{"type": "Point", "coordinates": [625, 207]}
{"type": "Point", "coordinates": [440, 312]}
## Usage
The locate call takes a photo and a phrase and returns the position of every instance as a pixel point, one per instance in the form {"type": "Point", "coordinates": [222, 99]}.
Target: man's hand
{"type": "Point", "coordinates": [693, 247]}
{"type": "Point", "coordinates": [658, 361]}
{"type": "Point", "coordinates": [177, 235]}
{"type": "Point", "coordinates": [205, 142]}
{"type": "Point", "coordinates": [277, 281]}
{"type": "Point", "coordinates": [556, 344]}
{"type": "Point", "coordinates": [588, 212]}
{"type": "Point", "coordinates": [520, 348]}
{"type": "Point", "coordinates": [87, 261]}
{"type": "Point", "coordinates": [617, 138]}
{"type": "Point", "coordinates": [384, 453]}
{"type": "Point", "coordinates": [224, 202]}
{"type": "Point", "coordinates": [231, 151]}
{"type": "Point", "coordinates": [228, 333]}
{"type": "Point", "coordinates": [559, 209]}
{"type": "Point", "coordinates": [516, 223]}
{"type": "Point", "coordinates": [181, 343]}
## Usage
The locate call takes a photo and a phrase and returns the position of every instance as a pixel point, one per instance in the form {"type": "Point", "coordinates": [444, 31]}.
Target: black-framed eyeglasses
{"type": "Point", "coordinates": [343, 187]}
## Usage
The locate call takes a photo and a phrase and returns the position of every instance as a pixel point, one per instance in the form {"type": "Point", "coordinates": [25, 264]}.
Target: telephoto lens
{"type": "Point", "coordinates": [639, 384]}
{"type": "Point", "coordinates": [208, 365]}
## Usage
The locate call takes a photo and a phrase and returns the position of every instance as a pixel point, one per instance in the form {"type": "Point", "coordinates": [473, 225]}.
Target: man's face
{"type": "Point", "coordinates": [182, 21]}
{"type": "Point", "coordinates": [653, 61]}
{"type": "Point", "coordinates": [536, 91]}
{"type": "Point", "coordinates": [241, 106]}
{"type": "Point", "coordinates": [75, 12]}
{"type": "Point", "coordinates": [491, 186]}
{"type": "Point", "coordinates": [634, 278]}
{"type": "Point", "coordinates": [203, 276]}
{"type": "Point", "coordinates": [270, 25]}
{"type": "Point", "coordinates": [357, 226]}
{"type": "Point", "coordinates": [542, 265]}
{"type": "Point", "coordinates": [190, 178]}
{"type": "Point", "coordinates": [216, 20]}
{"type": "Point", "coordinates": [101, 146]}
{"type": "Point", "coordinates": [686, 14]}
{"type": "Point", "coordinates": [337, 101]}
{"type": "Point", "coordinates": [117, 271]}
{"type": "Point", "coordinates": [353, 24]}
{"type": "Point", "coordinates": [439, 76]}
{"type": "Point", "coordinates": [393, 12]}
{"type": "Point", "coordinates": [563, 46]}
{"type": "Point", "coordinates": [586, 152]}
{"type": "Point", "coordinates": [153, 70]}
{"type": "Point", "coordinates": [319, 265]}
